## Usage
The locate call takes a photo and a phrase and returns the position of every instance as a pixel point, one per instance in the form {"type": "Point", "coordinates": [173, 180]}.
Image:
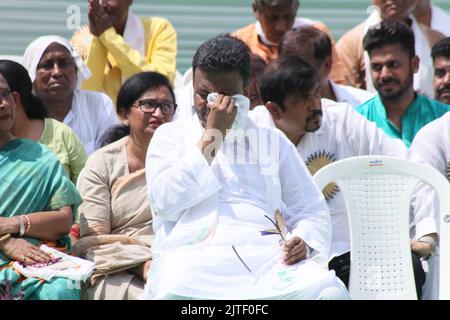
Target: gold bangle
{"type": "Point", "coordinates": [28, 223]}
{"type": "Point", "coordinates": [5, 237]}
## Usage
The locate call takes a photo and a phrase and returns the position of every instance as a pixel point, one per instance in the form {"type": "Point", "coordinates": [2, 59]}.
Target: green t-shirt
{"type": "Point", "coordinates": [422, 111]}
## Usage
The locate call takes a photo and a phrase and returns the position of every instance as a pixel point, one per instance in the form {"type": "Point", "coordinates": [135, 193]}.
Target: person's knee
{"type": "Point", "coordinates": [335, 290]}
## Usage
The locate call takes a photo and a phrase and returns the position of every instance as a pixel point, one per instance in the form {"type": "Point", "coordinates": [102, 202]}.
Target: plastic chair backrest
{"type": "Point", "coordinates": [377, 192]}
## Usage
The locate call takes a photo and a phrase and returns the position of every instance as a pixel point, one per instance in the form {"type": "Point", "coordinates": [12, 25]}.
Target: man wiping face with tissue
{"type": "Point", "coordinates": [237, 215]}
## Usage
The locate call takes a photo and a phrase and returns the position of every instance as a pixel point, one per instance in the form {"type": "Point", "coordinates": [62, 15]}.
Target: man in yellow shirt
{"type": "Point", "coordinates": [117, 44]}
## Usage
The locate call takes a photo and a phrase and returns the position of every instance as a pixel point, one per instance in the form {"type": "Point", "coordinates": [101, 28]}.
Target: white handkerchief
{"type": "Point", "coordinates": [243, 104]}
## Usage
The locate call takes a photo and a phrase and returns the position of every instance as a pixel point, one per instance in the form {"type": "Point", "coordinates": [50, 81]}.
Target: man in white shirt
{"type": "Point", "coordinates": [432, 144]}
{"type": "Point", "coordinates": [441, 62]}
{"type": "Point", "coordinates": [325, 131]}
{"type": "Point", "coordinates": [215, 183]}
{"type": "Point", "coordinates": [432, 16]}
{"type": "Point", "coordinates": [314, 46]}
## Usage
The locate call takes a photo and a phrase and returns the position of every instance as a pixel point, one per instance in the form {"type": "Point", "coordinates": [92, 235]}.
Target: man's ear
{"type": "Point", "coordinates": [255, 10]}
{"type": "Point", "coordinates": [247, 91]}
{"type": "Point", "coordinates": [415, 62]}
{"type": "Point", "coordinates": [274, 110]}
{"type": "Point", "coordinates": [327, 64]}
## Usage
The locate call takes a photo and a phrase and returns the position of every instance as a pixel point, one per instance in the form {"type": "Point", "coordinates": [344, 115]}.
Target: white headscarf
{"type": "Point", "coordinates": [35, 50]}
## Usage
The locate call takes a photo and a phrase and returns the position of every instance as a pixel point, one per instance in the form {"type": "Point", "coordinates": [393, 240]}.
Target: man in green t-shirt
{"type": "Point", "coordinates": [397, 108]}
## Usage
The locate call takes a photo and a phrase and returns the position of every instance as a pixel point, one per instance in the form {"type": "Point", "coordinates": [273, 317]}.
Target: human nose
{"type": "Point", "coordinates": [158, 113]}
{"type": "Point", "coordinates": [446, 78]}
{"type": "Point", "coordinates": [385, 72]}
{"type": "Point", "coordinates": [281, 25]}
{"type": "Point", "coordinates": [56, 70]}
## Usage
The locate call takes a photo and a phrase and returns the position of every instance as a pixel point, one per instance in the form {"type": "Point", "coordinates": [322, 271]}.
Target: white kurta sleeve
{"type": "Point", "coordinates": [178, 176]}
{"type": "Point", "coordinates": [429, 144]}
{"type": "Point", "coordinates": [367, 139]}
{"type": "Point", "coordinates": [307, 212]}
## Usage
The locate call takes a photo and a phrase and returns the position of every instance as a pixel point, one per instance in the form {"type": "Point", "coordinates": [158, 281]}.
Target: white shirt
{"type": "Point", "coordinates": [91, 114]}
{"type": "Point", "coordinates": [202, 210]}
{"type": "Point", "coordinates": [432, 144]}
{"type": "Point", "coordinates": [353, 96]}
{"type": "Point", "coordinates": [345, 133]}
{"type": "Point", "coordinates": [184, 97]}
{"type": "Point", "coordinates": [440, 20]}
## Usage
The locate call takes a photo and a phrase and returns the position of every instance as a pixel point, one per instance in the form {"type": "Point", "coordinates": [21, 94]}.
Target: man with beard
{"type": "Point", "coordinates": [356, 61]}
{"type": "Point", "coordinates": [325, 131]}
{"type": "Point", "coordinates": [397, 108]}
{"type": "Point", "coordinates": [441, 61]}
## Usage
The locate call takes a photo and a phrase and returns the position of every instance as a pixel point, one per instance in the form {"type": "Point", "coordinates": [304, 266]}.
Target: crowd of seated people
{"type": "Point", "coordinates": [166, 190]}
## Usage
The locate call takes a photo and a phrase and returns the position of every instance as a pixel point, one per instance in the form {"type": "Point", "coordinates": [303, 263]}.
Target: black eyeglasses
{"type": "Point", "coordinates": [150, 106]}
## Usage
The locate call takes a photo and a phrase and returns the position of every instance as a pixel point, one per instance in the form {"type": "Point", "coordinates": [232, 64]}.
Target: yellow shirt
{"type": "Point", "coordinates": [109, 57]}
{"type": "Point", "coordinates": [60, 139]}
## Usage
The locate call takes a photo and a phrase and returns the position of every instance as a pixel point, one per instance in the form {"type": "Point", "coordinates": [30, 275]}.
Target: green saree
{"type": "Point", "coordinates": [33, 180]}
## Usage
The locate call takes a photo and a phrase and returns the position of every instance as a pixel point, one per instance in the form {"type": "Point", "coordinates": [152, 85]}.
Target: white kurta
{"type": "Point", "coordinates": [353, 96]}
{"type": "Point", "coordinates": [440, 20]}
{"type": "Point", "coordinates": [432, 144]}
{"type": "Point", "coordinates": [203, 210]}
{"type": "Point", "coordinates": [92, 113]}
{"type": "Point", "coordinates": [345, 133]}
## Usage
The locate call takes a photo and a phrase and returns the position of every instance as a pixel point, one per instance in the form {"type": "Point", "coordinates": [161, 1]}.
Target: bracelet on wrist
{"type": "Point", "coordinates": [28, 223]}
{"type": "Point", "coordinates": [21, 226]}
{"type": "Point", "coordinates": [5, 238]}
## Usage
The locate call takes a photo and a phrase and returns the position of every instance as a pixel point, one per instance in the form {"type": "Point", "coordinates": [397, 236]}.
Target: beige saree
{"type": "Point", "coordinates": [115, 223]}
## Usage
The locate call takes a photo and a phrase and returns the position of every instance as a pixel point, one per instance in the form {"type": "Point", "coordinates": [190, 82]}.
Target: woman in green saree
{"type": "Point", "coordinates": [37, 205]}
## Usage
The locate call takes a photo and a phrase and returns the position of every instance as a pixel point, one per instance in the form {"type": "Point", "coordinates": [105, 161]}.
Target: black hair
{"type": "Point", "coordinates": [223, 53]}
{"type": "Point", "coordinates": [19, 81]}
{"type": "Point", "coordinates": [262, 3]}
{"type": "Point", "coordinates": [389, 33]}
{"type": "Point", "coordinates": [307, 36]}
{"type": "Point", "coordinates": [131, 90]}
{"type": "Point", "coordinates": [441, 48]}
{"type": "Point", "coordinates": [286, 76]}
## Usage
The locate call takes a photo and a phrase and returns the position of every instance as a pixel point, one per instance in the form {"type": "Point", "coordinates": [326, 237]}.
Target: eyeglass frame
{"type": "Point", "coordinates": [156, 106]}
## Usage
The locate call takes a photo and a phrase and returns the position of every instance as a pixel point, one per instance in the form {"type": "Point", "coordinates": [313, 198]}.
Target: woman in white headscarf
{"type": "Point", "coordinates": [56, 71]}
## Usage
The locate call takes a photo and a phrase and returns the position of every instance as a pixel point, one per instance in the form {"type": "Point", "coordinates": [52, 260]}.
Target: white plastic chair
{"type": "Point", "coordinates": [377, 192]}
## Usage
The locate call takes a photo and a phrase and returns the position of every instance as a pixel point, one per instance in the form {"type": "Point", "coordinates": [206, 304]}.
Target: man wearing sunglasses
{"type": "Point", "coordinates": [237, 214]}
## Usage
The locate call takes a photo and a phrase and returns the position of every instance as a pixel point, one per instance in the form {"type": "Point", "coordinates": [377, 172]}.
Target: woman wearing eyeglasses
{"type": "Point", "coordinates": [115, 217]}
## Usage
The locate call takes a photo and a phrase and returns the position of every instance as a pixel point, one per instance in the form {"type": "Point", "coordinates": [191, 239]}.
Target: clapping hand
{"type": "Point", "coordinates": [99, 21]}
